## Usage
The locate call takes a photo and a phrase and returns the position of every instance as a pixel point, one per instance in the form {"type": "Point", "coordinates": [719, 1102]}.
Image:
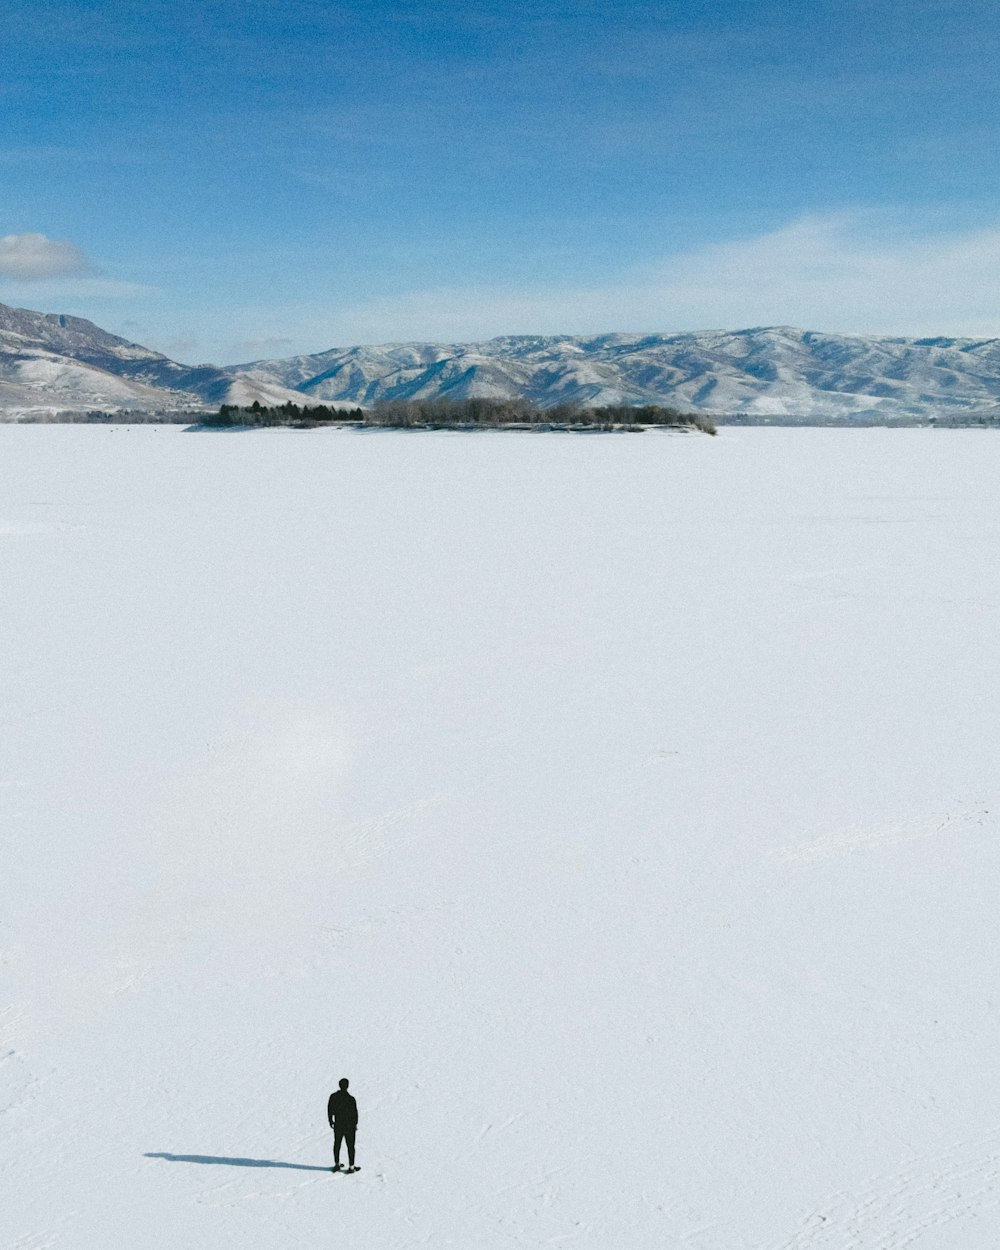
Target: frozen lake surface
{"type": "Point", "coordinates": [620, 814]}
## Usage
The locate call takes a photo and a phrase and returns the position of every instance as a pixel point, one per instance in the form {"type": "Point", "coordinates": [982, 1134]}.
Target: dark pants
{"type": "Point", "coordinates": [344, 1134]}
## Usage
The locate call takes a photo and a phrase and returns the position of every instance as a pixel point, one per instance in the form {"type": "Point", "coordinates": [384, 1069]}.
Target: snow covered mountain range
{"type": "Point", "coordinates": [764, 372]}
{"type": "Point", "coordinates": [52, 362]}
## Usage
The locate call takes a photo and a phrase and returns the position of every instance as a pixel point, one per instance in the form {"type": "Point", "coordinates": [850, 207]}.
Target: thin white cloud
{"type": "Point", "coordinates": [74, 290]}
{"type": "Point", "coordinates": [260, 347]}
{"type": "Point", "coordinates": [177, 347]}
{"type": "Point", "coordinates": [849, 272]}
{"type": "Point", "coordinates": [857, 271]}
{"type": "Point", "coordinates": [35, 258]}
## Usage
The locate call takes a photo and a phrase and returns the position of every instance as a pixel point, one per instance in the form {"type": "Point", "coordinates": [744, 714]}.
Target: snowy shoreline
{"type": "Point", "coordinates": [634, 800]}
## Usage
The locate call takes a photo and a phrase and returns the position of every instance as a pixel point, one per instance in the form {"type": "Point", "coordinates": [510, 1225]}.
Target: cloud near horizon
{"type": "Point", "coordinates": [867, 272]}
{"type": "Point", "coordinates": [37, 258]}
{"type": "Point", "coordinates": [852, 272]}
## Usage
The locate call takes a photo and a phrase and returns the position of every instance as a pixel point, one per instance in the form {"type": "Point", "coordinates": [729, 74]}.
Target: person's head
{"type": "Point", "coordinates": [344, 1082]}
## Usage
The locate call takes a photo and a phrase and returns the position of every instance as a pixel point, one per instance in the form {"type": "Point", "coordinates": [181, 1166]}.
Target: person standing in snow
{"type": "Point", "coordinates": [342, 1112]}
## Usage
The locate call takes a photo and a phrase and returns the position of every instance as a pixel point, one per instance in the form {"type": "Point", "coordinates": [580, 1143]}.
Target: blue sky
{"type": "Point", "coordinates": [229, 179]}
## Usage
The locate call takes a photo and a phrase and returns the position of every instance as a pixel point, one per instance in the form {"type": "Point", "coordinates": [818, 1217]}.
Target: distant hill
{"type": "Point", "coordinates": [50, 362]}
{"type": "Point", "coordinates": [773, 371]}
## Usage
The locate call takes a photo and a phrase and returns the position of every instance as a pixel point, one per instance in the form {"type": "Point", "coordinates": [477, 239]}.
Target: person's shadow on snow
{"type": "Point", "coordinates": [235, 1163]}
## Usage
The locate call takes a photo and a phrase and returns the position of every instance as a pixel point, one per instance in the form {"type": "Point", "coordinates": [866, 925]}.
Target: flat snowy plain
{"type": "Point", "coordinates": [619, 813]}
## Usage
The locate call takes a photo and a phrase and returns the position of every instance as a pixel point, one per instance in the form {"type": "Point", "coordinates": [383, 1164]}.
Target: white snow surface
{"type": "Point", "coordinates": [620, 814]}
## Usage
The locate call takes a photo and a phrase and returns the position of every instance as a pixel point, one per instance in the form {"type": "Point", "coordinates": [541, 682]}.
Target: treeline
{"type": "Point", "coordinates": [284, 414]}
{"type": "Point", "coordinates": [461, 414]}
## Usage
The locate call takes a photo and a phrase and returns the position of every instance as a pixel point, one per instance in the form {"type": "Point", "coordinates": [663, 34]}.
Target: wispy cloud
{"type": "Point", "coordinates": [35, 257]}
{"type": "Point", "coordinates": [855, 271]}
{"type": "Point", "coordinates": [261, 347]}
{"type": "Point", "coordinates": [180, 345]}
{"type": "Point", "coordinates": [59, 293]}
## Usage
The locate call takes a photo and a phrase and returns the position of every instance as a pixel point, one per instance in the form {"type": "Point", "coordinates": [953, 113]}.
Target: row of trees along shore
{"type": "Point", "coordinates": [461, 414]}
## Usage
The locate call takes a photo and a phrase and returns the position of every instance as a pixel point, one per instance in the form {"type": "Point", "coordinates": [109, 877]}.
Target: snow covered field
{"type": "Point", "coordinates": [619, 813]}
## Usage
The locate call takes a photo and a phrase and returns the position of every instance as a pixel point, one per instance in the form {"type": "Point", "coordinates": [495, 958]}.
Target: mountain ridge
{"type": "Point", "coordinates": [51, 362]}
{"type": "Point", "coordinates": [764, 371]}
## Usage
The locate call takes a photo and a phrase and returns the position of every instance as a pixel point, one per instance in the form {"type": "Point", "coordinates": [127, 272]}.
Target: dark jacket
{"type": "Point", "coordinates": [343, 1109]}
